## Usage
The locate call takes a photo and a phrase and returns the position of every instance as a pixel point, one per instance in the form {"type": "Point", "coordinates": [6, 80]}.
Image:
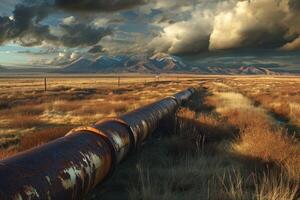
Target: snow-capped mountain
{"type": "Point", "coordinates": [157, 63]}
{"type": "Point", "coordinates": [143, 64]}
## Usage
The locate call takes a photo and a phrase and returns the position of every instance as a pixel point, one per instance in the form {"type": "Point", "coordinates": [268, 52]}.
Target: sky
{"type": "Point", "coordinates": [49, 33]}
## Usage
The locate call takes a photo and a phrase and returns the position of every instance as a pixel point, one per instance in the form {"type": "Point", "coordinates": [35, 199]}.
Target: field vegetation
{"type": "Point", "coordinates": [31, 116]}
{"type": "Point", "coordinates": [237, 137]}
{"type": "Point", "coordinates": [225, 147]}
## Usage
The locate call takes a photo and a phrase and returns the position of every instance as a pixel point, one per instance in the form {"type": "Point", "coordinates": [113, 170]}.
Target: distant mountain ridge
{"type": "Point", "coordinates": [3, 69]}
{"type": "Point", "coordinates": [157, 63]}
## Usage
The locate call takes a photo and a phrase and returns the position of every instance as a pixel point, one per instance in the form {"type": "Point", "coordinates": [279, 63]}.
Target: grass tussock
{"type": "Point", "coordinates": [25, 122]}
{"type": "Point", "coordinates": [201, 174]}
{"type": "Point", "coordinates": [37, 138]}
{"type": "Point", "coordinates": [201, 161]}
{"type": "Point", "coordinates": [259, 135]}
{"type": "Point", "coordinates": [25, 108]}
{"type": "Point", "coordinates": [7, 153]}
{"type": "Point", "coordinates": [275, 187]}
{"type": "Point", "coordinates": [270, 146]}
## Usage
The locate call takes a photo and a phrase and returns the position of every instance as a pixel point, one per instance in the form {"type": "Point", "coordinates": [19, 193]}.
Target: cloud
{"type": "Point", "coordinates": [227, 25]}
{"type": "Point", "coordinates": [69, 20]}
{"type": "Point", "coordinates": [76, 35]}
{"type": "Point", "coordinates": [62, 58]}
{"type": "Point", "coordinates": [184, 37]}
{"type": "Point", "coordinates": [98, 5]}
{"type": "Point", "coordinates": [258, 24]}
{"type": "Point", "coordinates": [25, 27]}
{"type": "Point", "coordinates": [172, 26]}
{"type": "Point", "coordinates": [96, 49]}
{"type": "Point", "coordinates": [294, 45]}
{"type": "Point", "coordinates": [294, 5]}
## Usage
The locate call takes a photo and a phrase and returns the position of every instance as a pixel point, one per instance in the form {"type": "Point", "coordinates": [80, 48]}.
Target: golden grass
{"type": "Point", "coordinates": [7, 153]}
{"type": "Point", "coordinates": [37, 138]}
{"type": "Point", "coordinates": [270, 146]}
{"type": "Point", "coordinates": [25, 121]}
{"type": "Point", "coordinates": [280, 96]}
{"type": "Point", "coordinates": [25, 108]}
{"type": "Point", "coordinates": [202, 161]}
{"type": "Point", "coordinates": [260, 137]}
{"type": "Point", "coordinates": [226, 146]}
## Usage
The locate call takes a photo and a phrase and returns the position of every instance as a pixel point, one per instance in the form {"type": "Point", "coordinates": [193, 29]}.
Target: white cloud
{"type": "Point", "coordinates": [230, 25]}
{"type": "Point", "coordinates": [69, 20]}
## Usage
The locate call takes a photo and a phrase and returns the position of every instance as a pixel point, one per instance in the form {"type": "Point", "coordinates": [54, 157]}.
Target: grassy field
{"type": "Point", "coordinates": [237, 138]}
{"type": "Point", "coordinates": [31, 116]}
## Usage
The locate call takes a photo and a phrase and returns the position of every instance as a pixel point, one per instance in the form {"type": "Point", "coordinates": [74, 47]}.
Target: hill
{"type": "Point", "coordinates": [157, 63]}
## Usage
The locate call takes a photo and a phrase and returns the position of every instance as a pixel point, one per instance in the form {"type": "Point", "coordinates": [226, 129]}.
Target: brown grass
{"type": "Point", "coordinates": [7, 153]}
{"type": "Point", "coordinates": [37, 138]}
{"type": "Point", "coordinates": [270, 146]}
{"type": "Point", "coordinates": [213, 155]}
{"type": "Point", "coordinates": [25, 108]}
{"type": "Point", "coordinates": [28, 109]}
{"type": "Point", "coordinates": [25, 121]}
{"type": "Point", "coordinates": [260, 137]}
{"type": "Point", "coordinates": [200, 161]}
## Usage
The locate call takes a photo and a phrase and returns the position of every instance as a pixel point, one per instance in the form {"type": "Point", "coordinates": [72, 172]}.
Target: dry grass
{"type": "Point", "coordinates": [26, 109]}
{"type": "Point", "coordinates": [227, 145]}
{"type": "Point", "coordinates": [203, 174]}
{"type": "Point", "coordinates": [7, 153]}
{"type": "Point", "coordinates": [275, 187]}
{"type": "Point", "coordinates": [202, 161]}
{"type": "Point", "coordinates": [260, 137]}
{"type": "Point", "coordinates": [279, 95]}
{"type": "Point", "coordinates": [25, 121]}
{"type": "Point", "coordinates": [270, 146]}
{"type": "Point", "coordinates": [37, 138]}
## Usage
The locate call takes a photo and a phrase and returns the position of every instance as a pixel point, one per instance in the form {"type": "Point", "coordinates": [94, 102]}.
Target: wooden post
{"type": "Point", "coordinates": [119, 81]}
{"type": "Point", "coordinates": [45, 83]}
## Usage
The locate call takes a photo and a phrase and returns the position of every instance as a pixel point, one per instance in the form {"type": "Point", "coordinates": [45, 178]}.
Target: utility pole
{"type": "Point", "coordinates": [119, 81]}
{"type": "Point", "coordinates": [45, 83]}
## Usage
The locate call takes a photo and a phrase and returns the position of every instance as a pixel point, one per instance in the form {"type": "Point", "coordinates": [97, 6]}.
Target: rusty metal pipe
{"type": "Point", "coordinates": [66, 168]}
{"type": "Point", "coordinates": [69, 167]}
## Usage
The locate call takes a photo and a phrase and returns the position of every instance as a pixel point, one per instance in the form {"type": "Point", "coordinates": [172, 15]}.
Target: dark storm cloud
{"type": "Point", "coordinates": [96, 49]}
{"type": "Point", "coordinates": [25, 27]}
{"type": "Point", "coordinates": [232, 25]}
{"type": "Point", "coordinates": [82, 35]}
{"type": "Point", "coordinates": [24, 23]}
{"type": "Point", "coordinates": [264, 38]}
{"type": "Point", "coordinates": [294, 4]}
{"type": "Point", "coordinates": [98, 5]}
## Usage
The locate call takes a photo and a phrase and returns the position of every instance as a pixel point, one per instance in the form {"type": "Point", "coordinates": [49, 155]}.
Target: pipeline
{"type": "Point", "coordinates": [69, 167]}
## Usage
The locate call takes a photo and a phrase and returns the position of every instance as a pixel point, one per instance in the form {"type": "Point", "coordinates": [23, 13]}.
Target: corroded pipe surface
{"type": "Point", "coordinates": [183, 96]}
{"type": "Point", "coordinates": [66, 168]}
{"type": "Point", "coordinates": [69, 167]}
{"type": "Point", "coordinates": [145, 120]}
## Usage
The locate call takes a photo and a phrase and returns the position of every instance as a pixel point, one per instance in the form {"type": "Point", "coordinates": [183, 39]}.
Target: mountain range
{"type": "Point", "coordinates": [2, 69]}
{"type": "Point", "coordinates": [157, 63]}
{"type": "Point", "coordinates": [154, 64]}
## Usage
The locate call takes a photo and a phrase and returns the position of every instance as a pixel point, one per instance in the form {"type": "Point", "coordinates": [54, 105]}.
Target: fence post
{"type": "Point", "coordinates": [119, 81]}
{"type": "Point", "coordinates": [45, 83]}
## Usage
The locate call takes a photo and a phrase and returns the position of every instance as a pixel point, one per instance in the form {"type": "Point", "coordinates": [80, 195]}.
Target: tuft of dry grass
{"type": "Point", "coordinates": [7, 153]}
{"type": "Point", "coordinates": [275, 187]}
{"type": "Point", "coordinates": [37, 138]}
{"type": "Point", "coordinates": [25, 121]}
{"type": "Point", "coordinates": [29, 109]}
{"type": "Point", "coordinates": [270, 146]}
